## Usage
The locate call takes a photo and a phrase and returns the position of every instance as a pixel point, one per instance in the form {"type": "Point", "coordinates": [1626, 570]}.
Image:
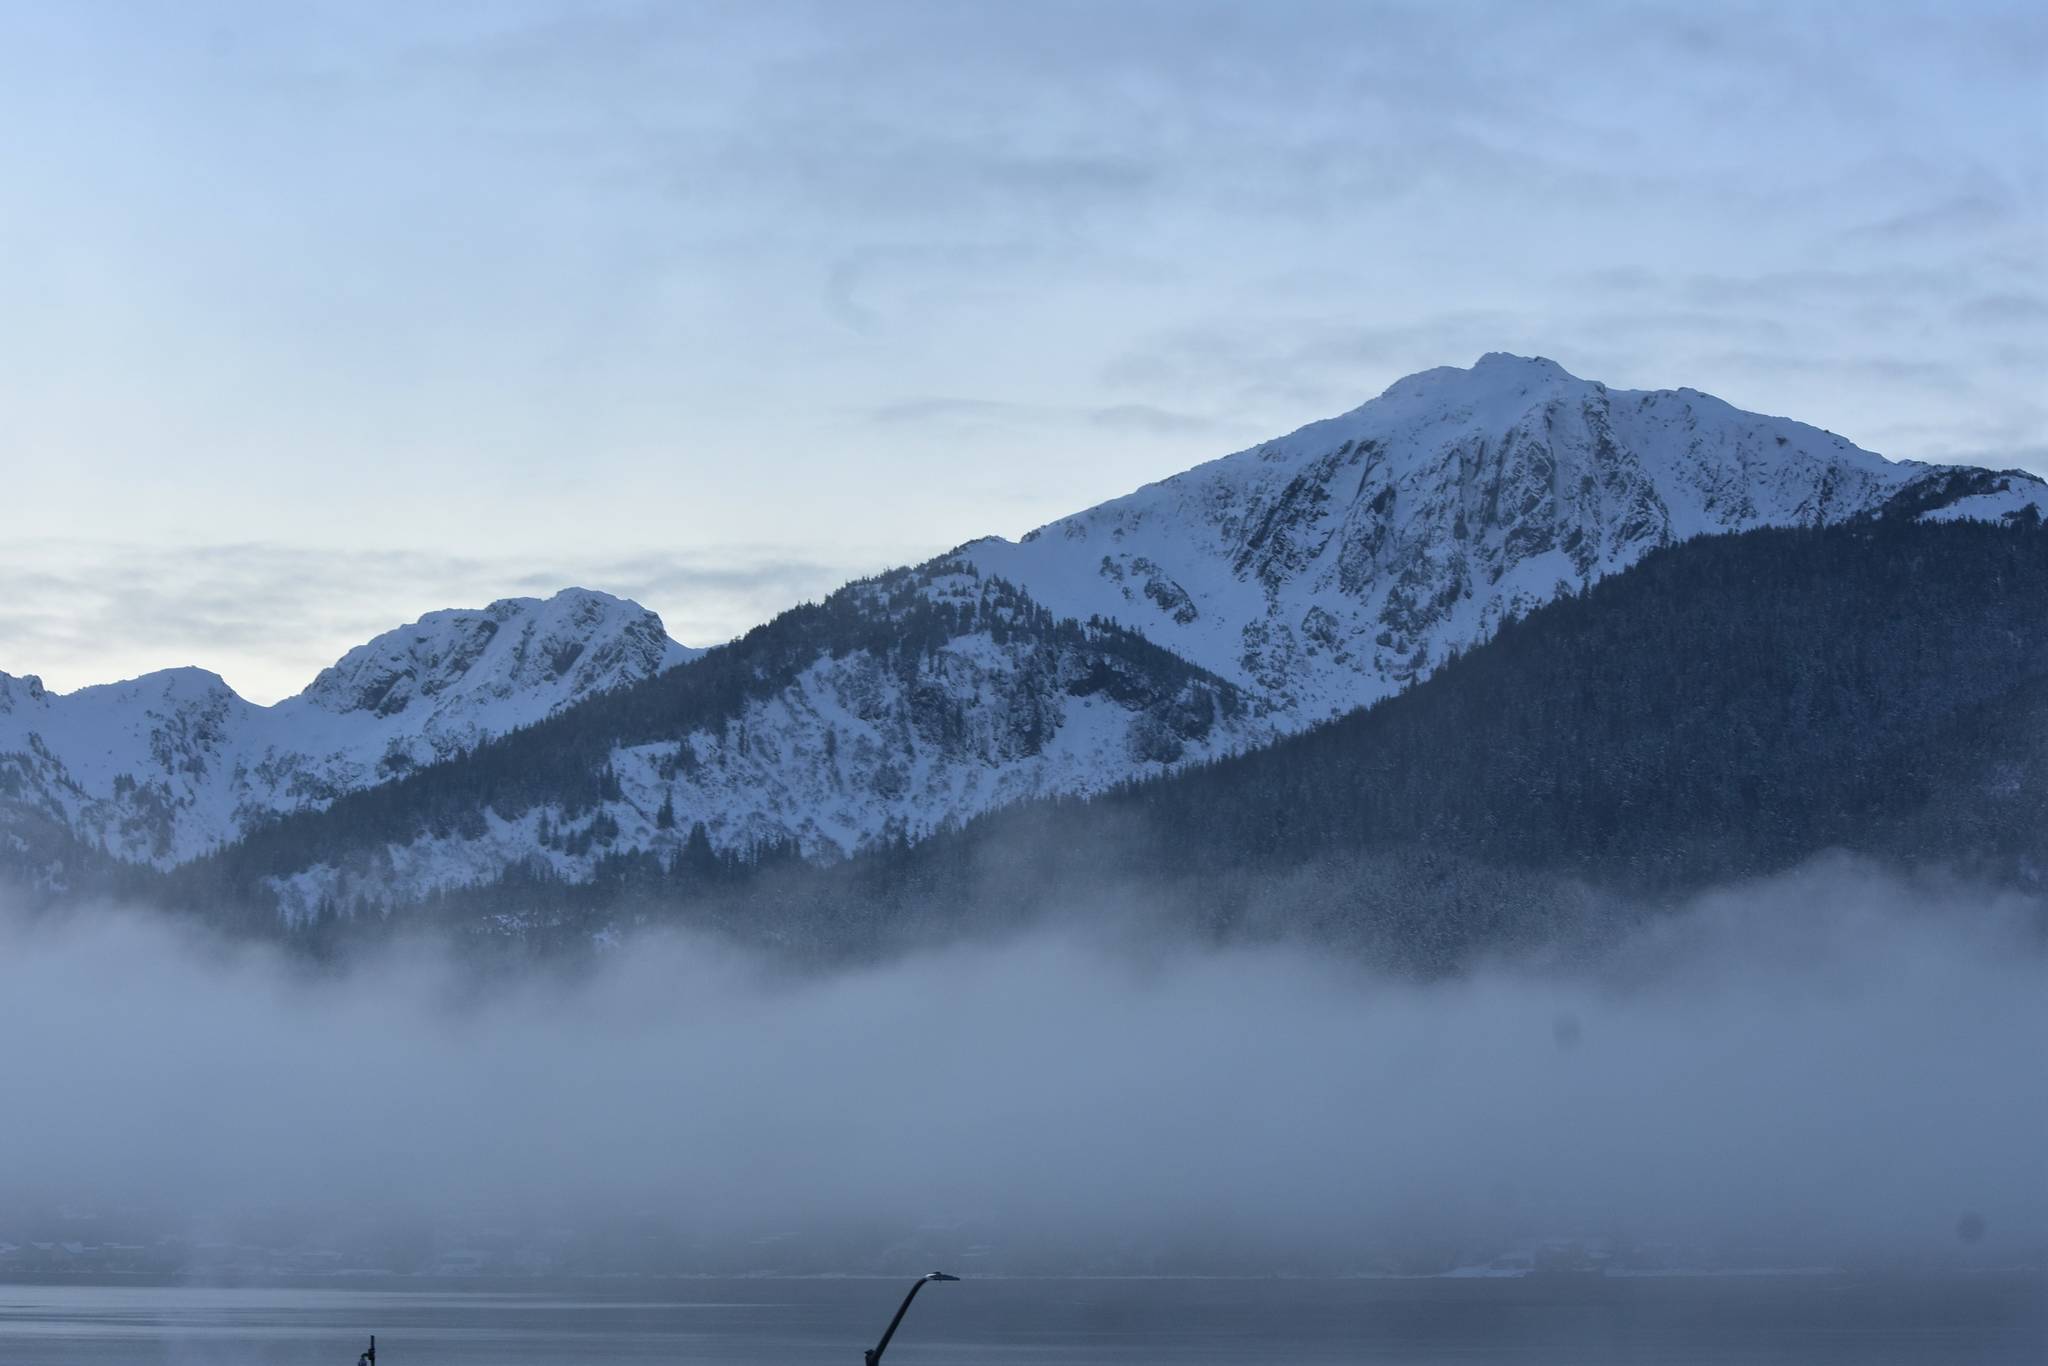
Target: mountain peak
{"type": "Point", "coordinates": [1494, 386]}
{"type": "Point", "coordinates": [1345, 560]}
{"type": "Point", "coordinates": [164, 767]}
{"type": "Point", "coordinates": [185, 683]}
{"type": "Point", "coordinates": [561, 648]}
{"type": "Point", "coordinates": [1507, 362]}
{"type": "Point", "coordinates": [564, 600]}
{"type": "Point", "coordinates": [26, 688]}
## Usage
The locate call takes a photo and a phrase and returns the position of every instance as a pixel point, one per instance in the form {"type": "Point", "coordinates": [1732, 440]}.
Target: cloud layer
{"type": "Point", "coordinates": [1828, 1065]}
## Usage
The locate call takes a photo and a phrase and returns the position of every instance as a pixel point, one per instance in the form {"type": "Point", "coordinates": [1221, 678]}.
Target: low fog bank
{"type": "Point", "coordinates": [1825, 1066]}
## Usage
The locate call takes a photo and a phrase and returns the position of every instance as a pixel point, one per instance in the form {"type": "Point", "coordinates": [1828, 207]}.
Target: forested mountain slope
{"type": "Point", "coordinates": [1728, 708]}
{"type": "Point", "coordinates": [895, 706]}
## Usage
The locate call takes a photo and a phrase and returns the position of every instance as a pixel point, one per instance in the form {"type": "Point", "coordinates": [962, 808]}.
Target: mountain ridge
{"type": "Point", "coordinates": [894, 707]}
{"type": "Point", "coordinates": [1743, 704]}
{"type": "Point", "coordinates": [1337, 564]}
{"type": "Point", "coordinates": [1293, 581]}
{"type": "Point", "coordinates": [1735, 707]}
{"type": "Point", "coordinates": [162, 767]}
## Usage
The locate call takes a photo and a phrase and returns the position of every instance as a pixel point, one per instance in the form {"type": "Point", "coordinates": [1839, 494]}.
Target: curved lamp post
{"type": "Point", "coordinates": [873, 1356]}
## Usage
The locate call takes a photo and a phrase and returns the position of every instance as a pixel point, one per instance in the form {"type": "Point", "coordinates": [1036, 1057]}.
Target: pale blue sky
{"type": "Point", "coordinates": [314, 317]}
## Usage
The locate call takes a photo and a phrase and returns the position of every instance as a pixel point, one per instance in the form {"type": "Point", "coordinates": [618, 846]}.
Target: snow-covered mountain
{"type": "Point", "coordinates": [165, 767]}
{"type": "Point", "coordinates": [1198, 616]}
{"type": "Point", "coordinates": [898, 705]}
{"type": "Point", "coordinates": [1334, 566]}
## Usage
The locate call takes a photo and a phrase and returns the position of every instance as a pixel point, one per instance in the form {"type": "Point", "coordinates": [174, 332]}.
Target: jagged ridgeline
{"type": "Point", "coordinates": [163, 768]}
{"type": "Point", "coordinates": [921, 678]}
{"type": "Point", "coordinates": [537, 762]}
{"type": "Point", "coordinates": [1729, 707]}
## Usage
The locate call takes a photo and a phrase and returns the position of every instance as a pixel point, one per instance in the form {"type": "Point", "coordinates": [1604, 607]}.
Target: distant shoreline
{"type": "Point", "coordinates": [507, 1285]}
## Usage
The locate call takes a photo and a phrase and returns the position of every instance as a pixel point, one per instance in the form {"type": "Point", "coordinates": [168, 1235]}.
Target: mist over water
{"type": "Point", "coordinates": [1828, 1065]}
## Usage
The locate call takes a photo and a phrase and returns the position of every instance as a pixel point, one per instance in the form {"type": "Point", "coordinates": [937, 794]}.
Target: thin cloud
{"type": "Point", "coordinates": [1882, 369]}
{"type": "Point", "coordinates": [921, 410]}
{"type": "Point", "coordinates": [2013, 308]}
{"type": "Point", "coordinates": [979, 412]}
{"type": "Point", "coordinates": [268, 617]}
{"type": "Point", "coordinates": [1311, 365]}
{"type": "Point", "coordinates": [1966, 213]}
{"type": "Point", "coordinates": [1144, 417]}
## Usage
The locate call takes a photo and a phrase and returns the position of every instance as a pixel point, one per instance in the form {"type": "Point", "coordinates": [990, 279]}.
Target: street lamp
{"type": "Point", "coordinates": [873, 1356]}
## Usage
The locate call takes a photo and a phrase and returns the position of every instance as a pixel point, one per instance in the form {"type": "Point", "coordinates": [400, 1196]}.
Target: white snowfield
{"type": "Point", "coordinates": [163, 768]}
{"type": "Point", "coordinates": [1318, 572]}
{"type": "Point", "coordinates": [1336, 565]}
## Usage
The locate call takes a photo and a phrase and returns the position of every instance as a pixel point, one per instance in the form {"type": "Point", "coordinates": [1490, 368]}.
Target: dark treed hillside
{"type": "Point", "coordinates": [40, 859]}
{"type": "Point", "coordinates": [1729, 707]}
{"type": "Point", "coordinates": [1723, 708]}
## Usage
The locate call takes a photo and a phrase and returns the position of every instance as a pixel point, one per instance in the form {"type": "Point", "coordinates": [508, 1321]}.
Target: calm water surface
{"type": "Point", "coordinates": [1049, 1323]}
